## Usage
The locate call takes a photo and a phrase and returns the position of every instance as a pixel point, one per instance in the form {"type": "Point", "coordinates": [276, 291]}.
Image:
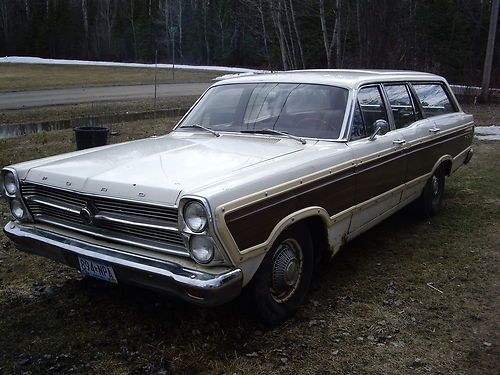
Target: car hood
{"type": "Point", "coordinates": [156, 169]}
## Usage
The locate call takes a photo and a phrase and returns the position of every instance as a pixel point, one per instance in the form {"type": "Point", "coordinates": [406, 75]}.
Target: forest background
{"type": "Point", "coordinates": [447, 37]}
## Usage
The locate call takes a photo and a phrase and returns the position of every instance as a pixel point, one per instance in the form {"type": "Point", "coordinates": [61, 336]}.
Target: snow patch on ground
{"type": "Point", "coordinates": [39, 60]}
{"type": "Point", "coordinates": [487, 133]}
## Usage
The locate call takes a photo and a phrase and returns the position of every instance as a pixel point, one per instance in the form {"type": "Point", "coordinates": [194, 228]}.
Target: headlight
{"type": "Point", "coordinates": [201, 249]}
{"type": "Point", "coordinates": [17, 209]}
{"type": "Point", "coordinates": [195, 216]}
{"type": "Point", "coordinates": [10, 183]}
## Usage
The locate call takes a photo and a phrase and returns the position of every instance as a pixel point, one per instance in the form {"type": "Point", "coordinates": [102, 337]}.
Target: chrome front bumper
{"type": "Point", "coordinates": [192, 285]}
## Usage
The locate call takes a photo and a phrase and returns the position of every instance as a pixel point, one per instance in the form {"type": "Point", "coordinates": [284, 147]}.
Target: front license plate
{"type": "Point", "coordinates": [98, 270]}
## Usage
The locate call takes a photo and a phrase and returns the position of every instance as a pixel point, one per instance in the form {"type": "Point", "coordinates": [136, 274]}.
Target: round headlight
{"type": "Point", "coordinates": [9, 183]}
{"type": "Point", "coordinates": [195, 216]}
{"type": "Point", "coordinates": [201, 249]}
{"type": "Point", "coordinates": [17, 209]}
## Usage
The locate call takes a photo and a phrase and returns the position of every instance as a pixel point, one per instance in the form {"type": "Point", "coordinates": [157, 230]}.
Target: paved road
{"type": "Point", "coordinates": [38, 98]}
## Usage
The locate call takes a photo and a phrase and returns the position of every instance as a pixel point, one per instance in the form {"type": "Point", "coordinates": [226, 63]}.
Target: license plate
{"type": "Point", "coordinates": [96, 269]}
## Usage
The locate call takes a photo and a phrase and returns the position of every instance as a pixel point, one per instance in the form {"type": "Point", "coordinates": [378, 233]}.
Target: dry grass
{"type": "Point", "coordinates": [59, 112]}
{"type": "Point", "coordinates": [36, 76]}
{"type": "Point", "coordinates": [369, 312]}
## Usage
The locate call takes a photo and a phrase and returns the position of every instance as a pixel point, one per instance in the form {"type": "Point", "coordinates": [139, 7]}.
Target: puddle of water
{"type": "Point", "coordinates": [487, 133]}
{"type": "Point", "coordinates": [17, 130]}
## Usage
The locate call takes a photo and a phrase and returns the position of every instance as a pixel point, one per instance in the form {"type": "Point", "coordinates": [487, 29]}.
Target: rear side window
{"type": "Point", "coordinates": [370, 108]}
{"type": "Point", "coordinates": [433, 99]}
{"type": "Point", "coordinates": [401, 105]}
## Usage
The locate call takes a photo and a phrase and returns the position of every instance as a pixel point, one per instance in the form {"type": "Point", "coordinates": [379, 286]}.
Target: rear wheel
{"type": "Point", "coordinates": [431, 199]}
{"type": "Point", "coordinates": [282, 281]}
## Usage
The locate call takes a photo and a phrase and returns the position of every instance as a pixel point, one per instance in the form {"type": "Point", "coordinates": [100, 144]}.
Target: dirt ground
{"type": "Point", "coordinates": [408, 297]}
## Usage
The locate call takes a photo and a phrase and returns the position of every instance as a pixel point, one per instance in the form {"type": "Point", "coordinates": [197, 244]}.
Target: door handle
{"type": "Point", "coordinates": [434, 130]}
{"type": "Point", "coordinates": [399, 141]}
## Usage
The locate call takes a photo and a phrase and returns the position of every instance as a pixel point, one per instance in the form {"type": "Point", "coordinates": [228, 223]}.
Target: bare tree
{"type": "Point", "coordinates": [107, 15]}
{"type": "Point", "coordinates": [205, 5]}
{"type": "Point", "coordinates": [259, 6]}
{"type": "Point", "coordinates": [297, 34]}
{"type": "Point", "coordinates": [291, 45]}
{"type": "Point", "coordinates": [27, 9]}
{"type": "Point", "coordinates": [337, 34]}
{"type": "Point", "coordinates": [275, 7]}
{"type": "Point", "coordinates": [327, 41]}
{"type": "Point", "coordinates": [85, 18]}
{"type": "Point", "coordinates": [488, 60]}
{"type": "Point", "coordinates": [4, 20]}
{"type": "Point", "coordinates": [179, 23]}
{"type": "Point", "coordinates": [132, 25]}
{"type": "Point", "coordinates": [360, 35]}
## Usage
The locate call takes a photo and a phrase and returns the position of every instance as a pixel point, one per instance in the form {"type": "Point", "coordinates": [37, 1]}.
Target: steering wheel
{"type": "Point", "coordinates": [313, 122]}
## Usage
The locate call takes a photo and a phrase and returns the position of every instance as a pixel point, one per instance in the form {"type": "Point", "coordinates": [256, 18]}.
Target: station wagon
{"type": "Point", "coordinates": [265, 177]}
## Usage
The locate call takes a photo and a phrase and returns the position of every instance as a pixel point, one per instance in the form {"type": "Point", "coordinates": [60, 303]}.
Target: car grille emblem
{"type": "Point", "coordinates": [86, 216]}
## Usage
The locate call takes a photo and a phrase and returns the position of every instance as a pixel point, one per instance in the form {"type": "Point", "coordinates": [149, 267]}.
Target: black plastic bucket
{"type": "Point", "coordinates": [90, 136]}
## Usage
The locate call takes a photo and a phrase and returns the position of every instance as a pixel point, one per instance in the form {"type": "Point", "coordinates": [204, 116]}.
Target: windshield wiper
{"type": "Point", "coordinates": [272, 131]}
{"type": "Point", "coordinates": [198, 126]}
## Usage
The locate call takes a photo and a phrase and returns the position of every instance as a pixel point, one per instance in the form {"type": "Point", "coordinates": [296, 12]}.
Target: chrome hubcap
{"type": "Point", "coordinates": [286, 271]}
{"type": "Point", "coordinates": [435, 185]}
{"type": "Point", "coordinates": [291, 273]}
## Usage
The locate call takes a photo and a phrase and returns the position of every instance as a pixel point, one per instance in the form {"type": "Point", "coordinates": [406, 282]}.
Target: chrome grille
{"type": "Point", "coordinates": [145, 225]}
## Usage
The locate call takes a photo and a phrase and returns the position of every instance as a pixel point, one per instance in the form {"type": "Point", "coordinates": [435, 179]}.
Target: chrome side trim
{"type": "Point", "coordinates": [131, 220]}
{"type": "Point", "coordinates": [48, 202]}
{"type": "Point", "coordinates": [244, 254]}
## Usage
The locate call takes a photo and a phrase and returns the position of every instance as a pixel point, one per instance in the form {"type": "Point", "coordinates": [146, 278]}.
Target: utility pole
{"type": "Point", "coordinates": [488, 60]}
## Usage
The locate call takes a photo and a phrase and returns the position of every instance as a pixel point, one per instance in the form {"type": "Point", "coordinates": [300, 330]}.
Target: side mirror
{"type": "Point", "coordinates": [381, 127]}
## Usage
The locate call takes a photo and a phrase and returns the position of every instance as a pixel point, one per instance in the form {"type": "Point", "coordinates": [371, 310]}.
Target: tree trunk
{"type": "Point", "coordinates": [4, 19]}
{"type": "Point", "coordinates": [85, 26]}
{"type": "Point", "coordinates": [338, 37]}
{"type": "Point", "coordinates": [276, 16]}
{"type": "Point", "coordinates": [324, 32]}
{"type": "Point", "coordinates": [205, 31]}
{"type": "Point", "coordinates": [152, 48]}
{"type": "Point", "coordinates": [488, 60]}
{"type": "Point", "coordinates": [360, 36]}
{"type": "Point", "coordinates": [166, 22]}
{"type": "Point", "coordinates": [180, 29]}
{"type": "Point", "coordinates": [264, 33]}
{"type": "Point", "coordinates": [132, 24]}
{"type": "Point", "coordinates": [292, 44]}
{"type": "Point", "coordinates": [301, 51]}
{"type": "Point", "coordinates": [109, 21]}
{"type": "Point", "coordinates": [27, 9]}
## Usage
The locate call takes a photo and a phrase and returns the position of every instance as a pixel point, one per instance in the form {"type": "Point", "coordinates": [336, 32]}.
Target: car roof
{"type": "Point", "coordinates": [348, 78]}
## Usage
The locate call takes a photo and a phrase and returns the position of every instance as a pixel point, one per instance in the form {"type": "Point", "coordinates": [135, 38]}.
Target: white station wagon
{"type": "Point", "coordinates": [263, 178]}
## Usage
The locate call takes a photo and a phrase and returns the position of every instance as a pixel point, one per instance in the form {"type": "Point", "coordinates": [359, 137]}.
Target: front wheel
{"type": "Point", "coordinates": [282, 280]}
{"type": "Point", "coordinates": [431, 199]}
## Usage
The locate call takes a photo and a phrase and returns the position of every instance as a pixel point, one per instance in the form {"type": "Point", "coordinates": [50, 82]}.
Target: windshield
{"type": "Point", "coordinates": [305, 110]}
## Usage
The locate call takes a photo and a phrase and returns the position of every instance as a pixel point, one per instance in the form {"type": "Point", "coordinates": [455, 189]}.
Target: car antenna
{"type": "Point", "coordinates": [154, 102]}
